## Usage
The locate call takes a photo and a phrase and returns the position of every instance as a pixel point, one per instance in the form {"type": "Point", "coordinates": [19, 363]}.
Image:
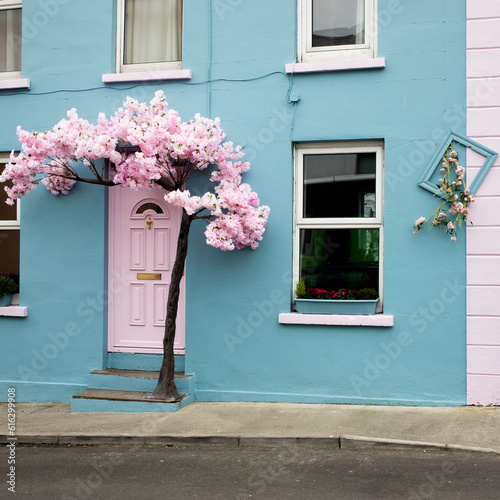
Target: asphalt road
{"type": "Point", "coordinates": [138, 472]}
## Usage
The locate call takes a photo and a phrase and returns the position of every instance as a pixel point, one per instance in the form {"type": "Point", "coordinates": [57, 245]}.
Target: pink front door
{"type": "Point", "coordinates": [143, 231]}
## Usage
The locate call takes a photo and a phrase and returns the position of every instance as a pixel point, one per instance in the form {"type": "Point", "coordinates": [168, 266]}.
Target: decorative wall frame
{"type": "Point", "coordinates": [435, 163]}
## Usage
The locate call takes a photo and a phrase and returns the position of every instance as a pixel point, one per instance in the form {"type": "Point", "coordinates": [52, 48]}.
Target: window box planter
{"type": "Point", "coordinates": [5, 300]}
{"type": "Point", "coordinates": [315, 306]}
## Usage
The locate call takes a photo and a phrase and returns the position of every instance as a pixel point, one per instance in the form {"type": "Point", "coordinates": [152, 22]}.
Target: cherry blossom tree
{"type": "Point", "coordinates": [147, 146]}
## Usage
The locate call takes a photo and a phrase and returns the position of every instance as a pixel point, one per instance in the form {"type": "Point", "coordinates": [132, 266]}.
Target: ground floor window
{"type": "Point", "coordinates": [338, 239]}
{"type": "Point", "coordinates": [9, 231]}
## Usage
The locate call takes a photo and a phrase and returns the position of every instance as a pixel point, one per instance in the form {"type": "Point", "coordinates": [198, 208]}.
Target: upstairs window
{"type": "Point", "coordinates": [336, 29]}
{"type": "Point", "coordinates": [149, 35]}
{"type": "Point", "coordinates": [338, 239]}
{"type": "Point", "coordinates": [10, 39]}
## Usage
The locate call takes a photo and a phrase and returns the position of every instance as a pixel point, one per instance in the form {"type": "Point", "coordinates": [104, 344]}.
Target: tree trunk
{"type": "Point", "coordinates": [166, 389]}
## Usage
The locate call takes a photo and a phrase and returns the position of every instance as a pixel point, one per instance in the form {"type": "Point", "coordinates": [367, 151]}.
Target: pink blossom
{"type": "Point", "coordinates": [147, 147]}
{"type": "Point", "coordinates": [420, 221]}
{"type": "Point", "coordinates": [450, 190]}
{"type": "Point", "coordinates": [57, 181]}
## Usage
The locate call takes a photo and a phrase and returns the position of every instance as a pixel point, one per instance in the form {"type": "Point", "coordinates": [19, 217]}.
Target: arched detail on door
{"type": "Point", "coordinates": [149, 207]}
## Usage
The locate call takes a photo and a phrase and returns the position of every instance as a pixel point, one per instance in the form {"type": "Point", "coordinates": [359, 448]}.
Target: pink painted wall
{"type": "Point", "coordinates": [483, 237]}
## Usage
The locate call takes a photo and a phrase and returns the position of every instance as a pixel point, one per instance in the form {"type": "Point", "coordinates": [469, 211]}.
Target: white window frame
{"type": "Point", "coordinates": [11, 5]}
{"type": "Point", "coordinates": [307, 53]}
{"type": "Point", "coordinates": [120, 40]}
{"type": "Point", "coordinates": [10, 224]}
{"type": "Point", "coordinates": [377, 222]}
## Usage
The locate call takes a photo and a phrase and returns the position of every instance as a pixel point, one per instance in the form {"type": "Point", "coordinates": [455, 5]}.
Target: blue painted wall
{"type": "Point", "coordinates": [234, 343]}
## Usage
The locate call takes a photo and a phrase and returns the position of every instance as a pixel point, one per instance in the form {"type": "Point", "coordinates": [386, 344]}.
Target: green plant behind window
{"type": "Point", "coordinates": [7, 285]}
{"type": "Point", "coordinates": [300, 289]}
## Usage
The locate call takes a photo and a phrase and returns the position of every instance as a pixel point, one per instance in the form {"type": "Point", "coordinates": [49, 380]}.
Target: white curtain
{"type": "Point", "coordinates": [338, 22]}
{"type": "Point", "coordinates": [153, 31]}
{"type": "Point", "coordinates": [10, 40]}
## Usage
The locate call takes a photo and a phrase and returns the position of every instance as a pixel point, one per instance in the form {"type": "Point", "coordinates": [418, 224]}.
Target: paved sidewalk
{"type": "Point", "coordinates": [266, 424]}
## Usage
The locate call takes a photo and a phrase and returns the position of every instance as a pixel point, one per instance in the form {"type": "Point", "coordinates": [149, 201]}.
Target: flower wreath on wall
{"type": "Point", "coordinates": [456, 197]}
